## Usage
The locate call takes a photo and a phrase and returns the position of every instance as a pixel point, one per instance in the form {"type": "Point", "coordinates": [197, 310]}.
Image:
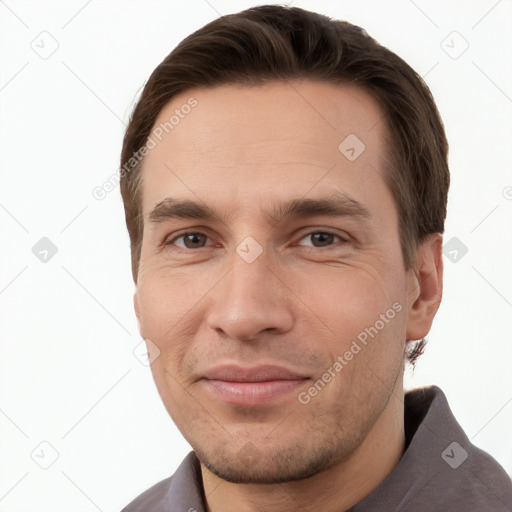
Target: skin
{"type": "Point", "coordinates": [300, 304]}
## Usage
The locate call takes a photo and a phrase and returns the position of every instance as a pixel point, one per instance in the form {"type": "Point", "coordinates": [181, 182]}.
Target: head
{"type": "Point", "coordinates": [285, 182]}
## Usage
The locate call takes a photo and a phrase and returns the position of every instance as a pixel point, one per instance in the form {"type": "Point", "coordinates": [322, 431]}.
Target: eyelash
{"type": "Point", "coordinates": [341, 239]}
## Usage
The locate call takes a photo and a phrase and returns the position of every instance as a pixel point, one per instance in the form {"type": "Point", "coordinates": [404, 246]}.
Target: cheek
{"type": "Point", "coordinates": [167, 304]}
{"type": "Point", "coordinates": [167, 297]}
{"type": "Point", "coordinates": [348, 299]}
{"type": "Point", "coordinates": [362, 308]}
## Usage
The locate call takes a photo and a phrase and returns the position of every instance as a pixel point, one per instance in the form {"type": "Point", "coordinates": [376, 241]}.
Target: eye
{"type": "Point", "coordinates": [189, 241]}
{"type": "Point", "coordinates": [320, 239]}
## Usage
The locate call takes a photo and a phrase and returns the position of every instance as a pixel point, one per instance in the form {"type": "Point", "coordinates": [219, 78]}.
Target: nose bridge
{"type": "Point", "coordinates": [250, 299]}
{"type": "Point", "coordinates": [247, 266]}
{"type": "Point", "coordinates": [249, 285]}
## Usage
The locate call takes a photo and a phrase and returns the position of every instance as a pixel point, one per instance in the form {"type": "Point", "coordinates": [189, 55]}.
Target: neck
{"type": "Point", "coordinates": [333, 490]}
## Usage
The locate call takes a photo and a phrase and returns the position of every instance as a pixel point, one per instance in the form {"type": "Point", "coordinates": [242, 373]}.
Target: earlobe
{"type": "Point", "coordinates": [426, 287]}
{"type": "Point", "coordinates": [137, 311]}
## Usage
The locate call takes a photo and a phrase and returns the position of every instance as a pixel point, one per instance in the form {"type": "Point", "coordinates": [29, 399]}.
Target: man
{"type": "Point", "coordinates": [285, 182]}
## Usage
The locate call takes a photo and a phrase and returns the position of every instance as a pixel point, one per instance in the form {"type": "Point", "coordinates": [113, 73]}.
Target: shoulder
{"type": "Point", "coordinates": [182, 491]}
{"type": "Point", "coordinates": [458, 474]}
{"type": "Point", "coordinates": [151, 499]}
{"type": "Point", "coordinates": [440, 468]}
{"type": "Point", "coordinates": [482, 482]}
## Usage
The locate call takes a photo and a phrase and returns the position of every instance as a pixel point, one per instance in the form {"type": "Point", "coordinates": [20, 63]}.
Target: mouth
{"type": "Point", "coordinates": [253, 386]}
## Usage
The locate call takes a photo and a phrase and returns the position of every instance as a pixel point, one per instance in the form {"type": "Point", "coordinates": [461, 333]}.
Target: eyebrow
{"type": "Point", "coordinates": [173, 209]}
{"type": "Point", "coordinates": [339, 206]}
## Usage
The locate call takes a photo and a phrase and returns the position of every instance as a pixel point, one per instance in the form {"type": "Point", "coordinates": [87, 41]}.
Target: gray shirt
{"type": "Point", "coordinates": [440, 470]}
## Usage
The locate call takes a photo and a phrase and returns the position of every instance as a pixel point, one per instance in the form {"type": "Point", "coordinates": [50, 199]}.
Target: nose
{"type": "Point", "coordinates": [250, 300]}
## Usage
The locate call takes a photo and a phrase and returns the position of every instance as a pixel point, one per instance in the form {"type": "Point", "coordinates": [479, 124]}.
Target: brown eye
{"type": "Point", "coordinates": [320, 239]}
{"type": "Point", "coordinates": [191, 240]}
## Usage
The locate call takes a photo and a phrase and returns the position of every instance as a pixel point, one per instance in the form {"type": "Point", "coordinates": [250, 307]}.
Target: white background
{"type": "Point", "coordinates": [68, 375]}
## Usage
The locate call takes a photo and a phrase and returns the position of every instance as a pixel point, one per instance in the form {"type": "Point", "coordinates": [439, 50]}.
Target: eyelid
{"type": "Point", "coordinates": [344, 238]}
{"type": "Point", "coordinates": [171, 239]}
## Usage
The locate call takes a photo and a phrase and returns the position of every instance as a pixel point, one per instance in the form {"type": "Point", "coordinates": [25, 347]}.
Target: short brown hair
{"type": "Point", "coordinates": [275, 43]}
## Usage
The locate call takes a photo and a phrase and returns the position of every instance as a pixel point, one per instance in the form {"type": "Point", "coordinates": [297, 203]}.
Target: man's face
{"type": "Point", "coordinates": [288, 263]}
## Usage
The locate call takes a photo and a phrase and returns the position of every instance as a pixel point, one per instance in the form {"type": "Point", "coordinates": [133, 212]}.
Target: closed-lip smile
{"type": "Point", "coordinates": [251, 386]}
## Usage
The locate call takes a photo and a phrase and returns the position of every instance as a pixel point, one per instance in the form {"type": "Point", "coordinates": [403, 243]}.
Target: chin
{"type": "Point", "coordinates": [250, 465]}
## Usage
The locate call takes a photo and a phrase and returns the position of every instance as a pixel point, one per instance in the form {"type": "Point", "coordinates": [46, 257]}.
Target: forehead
{"type": "Point", "coordinates": [254, 139]}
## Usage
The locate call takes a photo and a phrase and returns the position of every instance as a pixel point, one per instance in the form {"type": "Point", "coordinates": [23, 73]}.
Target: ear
{"type": "Point", "coordinates": [425, 287]}
{"type": "Point", "coordinates": [137, 310]}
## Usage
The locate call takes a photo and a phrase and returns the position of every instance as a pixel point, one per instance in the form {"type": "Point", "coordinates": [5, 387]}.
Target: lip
{"type": "Point", "coordinates": [257, 385]}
